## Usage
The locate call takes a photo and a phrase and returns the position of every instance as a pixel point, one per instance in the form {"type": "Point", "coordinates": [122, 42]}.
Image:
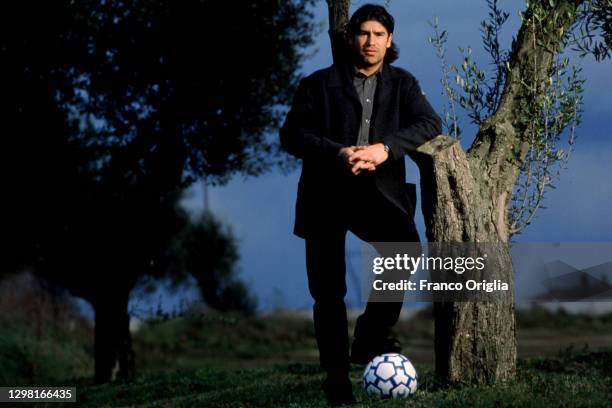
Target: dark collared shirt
{"type": "Point", "coordinates": [366, 88]}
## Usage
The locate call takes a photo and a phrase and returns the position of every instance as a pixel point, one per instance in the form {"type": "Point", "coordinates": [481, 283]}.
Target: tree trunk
{"type": "Point", "coordinates": [338, 18]}
{"type": "Point", "coordinates": [475, 342]}
{"type": "Point", "coordinates": [466, 195]}
{"type": "Point", "coordinates": [113, 354]}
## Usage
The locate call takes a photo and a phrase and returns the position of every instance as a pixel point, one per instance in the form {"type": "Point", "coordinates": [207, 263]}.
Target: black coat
{"type": "Point", "coordinates": [325, 116]}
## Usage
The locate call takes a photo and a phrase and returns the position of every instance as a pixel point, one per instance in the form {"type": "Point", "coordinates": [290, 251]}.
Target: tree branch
{"type": "Point", "coordinates": [501, 144]}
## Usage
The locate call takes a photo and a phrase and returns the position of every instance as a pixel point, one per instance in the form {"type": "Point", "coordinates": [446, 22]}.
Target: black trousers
{"type": "Point", "coordinates": [372, 218]}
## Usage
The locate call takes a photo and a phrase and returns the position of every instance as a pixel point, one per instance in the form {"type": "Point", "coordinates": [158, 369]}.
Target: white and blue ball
{"type": "Point", "coordinates": [390, 375]}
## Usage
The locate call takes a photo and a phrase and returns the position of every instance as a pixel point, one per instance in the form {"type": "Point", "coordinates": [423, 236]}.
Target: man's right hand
{"type": "Point", "coordinates": [357, 166]}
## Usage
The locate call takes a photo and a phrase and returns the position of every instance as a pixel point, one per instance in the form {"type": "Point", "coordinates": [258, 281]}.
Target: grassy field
{"type": "Point", "coordinates": [209, 360]}
{"type": "Point", "coordinates": [289, 337]}
{"type": "Point", "coordinates": [576, 379]}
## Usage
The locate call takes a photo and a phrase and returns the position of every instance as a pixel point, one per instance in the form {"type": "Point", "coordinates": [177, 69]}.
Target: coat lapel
{"type": "Point", "coordinates": [382, 97]}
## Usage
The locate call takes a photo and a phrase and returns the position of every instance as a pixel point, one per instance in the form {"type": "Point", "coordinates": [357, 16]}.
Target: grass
{"type": "Point", "coordinates": [40, 355]}
{"type": "Point", "coordinates": [271, 361]}
{"type": "Point", "coordinates": [572, 379]}
{"type": "Point", "coordinates": [224, 341]}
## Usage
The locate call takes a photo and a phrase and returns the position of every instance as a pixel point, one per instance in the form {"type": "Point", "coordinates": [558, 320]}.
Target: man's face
{"type": "Point", "coordinates": [371, 43]}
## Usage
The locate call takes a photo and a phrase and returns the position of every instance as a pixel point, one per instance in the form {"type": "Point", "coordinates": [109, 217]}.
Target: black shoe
{"type": "Point", "coordinates": [362, 351]}
{"type": "Point", "coordinates": [338, 392]}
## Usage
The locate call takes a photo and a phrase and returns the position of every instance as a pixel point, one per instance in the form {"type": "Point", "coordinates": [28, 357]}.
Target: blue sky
{"type": "Point", "coordinates": [260, 210]}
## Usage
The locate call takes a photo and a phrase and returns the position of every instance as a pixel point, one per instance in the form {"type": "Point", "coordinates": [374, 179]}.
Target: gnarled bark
{"type": "Point", "coordinates": [474, 341]}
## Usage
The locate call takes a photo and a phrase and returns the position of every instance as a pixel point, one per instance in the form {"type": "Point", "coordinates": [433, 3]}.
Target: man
{"type": "Point", "coordinates": [352, 124]}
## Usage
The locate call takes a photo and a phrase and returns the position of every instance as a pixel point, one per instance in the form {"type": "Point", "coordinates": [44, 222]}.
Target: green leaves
{"type": "Point", "coordinates": [593, 32]}
{"type": "Point", "coordinates": [550, 113]}
{"type": "Point", "coordinates": [476, 90]}
{"type": "Point", "coordinates": [449, 117]}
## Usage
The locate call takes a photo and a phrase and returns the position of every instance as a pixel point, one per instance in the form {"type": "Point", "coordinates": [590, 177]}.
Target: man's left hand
{"type": "Point", "coordinates": [373, 154]}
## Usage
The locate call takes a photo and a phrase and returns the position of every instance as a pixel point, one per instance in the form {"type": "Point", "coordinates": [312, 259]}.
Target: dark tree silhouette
{"type": "Point", "coordinates": [213, 269]}
{"type": "Point", "coordinates": [109, 109]}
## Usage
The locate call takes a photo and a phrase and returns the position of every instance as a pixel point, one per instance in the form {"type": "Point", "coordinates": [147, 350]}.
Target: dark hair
{"type": "Point", "coordinates": [373, 12]}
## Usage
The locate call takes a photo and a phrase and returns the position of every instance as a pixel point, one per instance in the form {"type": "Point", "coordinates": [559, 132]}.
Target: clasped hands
{"type": "Point", "coordinates": [364, 158]}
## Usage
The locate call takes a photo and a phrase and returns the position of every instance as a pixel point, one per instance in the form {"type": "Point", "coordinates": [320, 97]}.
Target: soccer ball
{"type": "Point", "coordinates": [390, 375]}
